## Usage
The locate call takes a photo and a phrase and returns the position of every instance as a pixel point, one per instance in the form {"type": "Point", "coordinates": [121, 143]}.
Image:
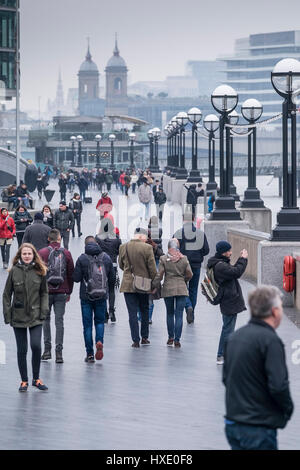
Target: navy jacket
{"type": "Point", "coordinates": [81, 271]}
{"type": "Point", "coordinates": [193, 244]}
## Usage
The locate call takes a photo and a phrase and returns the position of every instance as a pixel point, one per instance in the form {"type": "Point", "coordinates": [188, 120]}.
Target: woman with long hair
{"type": "Point", "coordinates": [22, 219]}
{"type": "Point", "coordinates": [25, 307]}
{"type": "Point", "coordinates": [47, 216]}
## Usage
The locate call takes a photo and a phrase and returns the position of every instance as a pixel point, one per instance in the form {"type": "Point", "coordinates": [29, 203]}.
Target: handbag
{"type": "Point", "coordinates": [140, 284]}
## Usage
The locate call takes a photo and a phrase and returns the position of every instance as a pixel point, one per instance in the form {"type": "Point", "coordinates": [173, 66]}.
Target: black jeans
{"type": "Point", "coordinates": [20, 236]}
{"type": "Point", "coordinates": [65, 235]}
{"type": "Point", "coordinates": [5, 251]}
{"type": "Point", "coordinates": [249, 437]}
{"type": "Point", "coordinates": [77, 219]}
{"type": "Point", "coordinates": [112, 295]}
{"type": "Point", "coordinates": [135, 303]}
{"type": "Point", "coordinates": [22, 348]}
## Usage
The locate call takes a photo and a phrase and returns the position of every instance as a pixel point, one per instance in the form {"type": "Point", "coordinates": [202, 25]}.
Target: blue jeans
{"type": "Point", "coordinates": [147, 209]}
{"type": "Point", "coordinates": [88, 308]}
{"type": "Point", "coordinates": [228, 328]}
{"type": "Point", "coordinates": [175, 306]}
{"type": "Point", "coordinates": [249, 437]}
{"type": "Point", "coordinates": [191, 300]}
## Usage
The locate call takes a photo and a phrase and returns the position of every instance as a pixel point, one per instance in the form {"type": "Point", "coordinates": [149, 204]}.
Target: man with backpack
{"type": "Point", "coordinates": [230, 296]}
{"type": "Point", "coordinates": [60, 284]}
{"type": "Point", "coordinates": [94, 270]}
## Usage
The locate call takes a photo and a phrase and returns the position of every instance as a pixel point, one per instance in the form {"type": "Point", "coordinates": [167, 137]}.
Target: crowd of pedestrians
{"type": "Point", "coordinates": [43, 274]}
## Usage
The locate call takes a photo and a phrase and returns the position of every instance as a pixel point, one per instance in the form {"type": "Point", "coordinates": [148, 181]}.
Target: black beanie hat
{"type": "Point", "coordinates": [222, 247]}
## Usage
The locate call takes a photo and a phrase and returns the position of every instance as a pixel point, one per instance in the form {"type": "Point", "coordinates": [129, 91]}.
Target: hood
{"type": "Point", "coordinates": [215, 259]}
{"type": "Point", "coordinates": [93, 249]}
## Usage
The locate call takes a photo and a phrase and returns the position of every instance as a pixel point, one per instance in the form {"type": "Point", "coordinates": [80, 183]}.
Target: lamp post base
{"type": "Point", "coordinates": [252, 199]}
{"type": "Point", "coordinates": [181, 174]}
{"type": "Point", "coordinates": [288, 225]}
{"type": "Point", "coordinates": [154, 169]}
{"type": "Point", "coordinates": [194, 177]}
{"type": "Point", "coordinates": [233, 193]}
{"type": "Point", "coordinates": [225, 209]}
{"type": "Point", "coordinates": [211, 186]}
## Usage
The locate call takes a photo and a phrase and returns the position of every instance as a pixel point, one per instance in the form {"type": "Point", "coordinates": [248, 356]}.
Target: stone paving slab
{"type": "Point", "coordinates": [152, 398]}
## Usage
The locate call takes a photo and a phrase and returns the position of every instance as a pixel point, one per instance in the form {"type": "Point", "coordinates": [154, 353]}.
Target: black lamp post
{"type": "Point", "coordinates": [79, 139]}
{"type": "Point", "coordinates": [132, 138]}
{"type": "Point", "coordinates": [252, 111]}
{"type": "Point", "coordinates": [194, 116]}
{"type": "Point", "coordinates": [175, 145]}
{"type": "Point", "coordinates": [286, 82]}
{"type": "Point", "coordinates": [112, 139]}
{"type": "Point", "coordinates": [151, 138]}
{"type": "Point", "coordinates": [233, 120]}
{"type": "Point", "coordinates": [211, 124]}
{"type": "Point", "coordinates": [73, 140]}
{"type": "Point", "coordinates": [224, 100]}
{"type": "Point", "coordinates": [98, 140]}
{"type": "Point", "coordinates": [182, 120]}
{"type": "Point", "coordinates": [156, 136]}
{"type": "Point", "coordinates": [167, 134]}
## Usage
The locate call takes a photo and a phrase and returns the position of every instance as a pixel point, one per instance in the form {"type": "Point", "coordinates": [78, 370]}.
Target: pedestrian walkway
{"type": "Point", "coordinates": [154, 397]}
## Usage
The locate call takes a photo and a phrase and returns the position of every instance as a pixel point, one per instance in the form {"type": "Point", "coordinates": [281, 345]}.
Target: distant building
{"type": "Point", "coordinates": [143, 88]}
{"type": "Point", "coordinates": [208, 73]}
{"type": "Point", "coordinates": [8, 48]}
{"type": "Point", "coordinates": [116, 85]}
{"type": "Point", "coordinates": [88, 88]}
{"type": "Point", "coordinates": [249, 69]}
{"type": "Point", "coordinates": [182, 86]}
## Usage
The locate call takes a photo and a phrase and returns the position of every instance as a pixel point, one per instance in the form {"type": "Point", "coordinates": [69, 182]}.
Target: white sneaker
{"type": "Point", "coordinates": [220, 360]}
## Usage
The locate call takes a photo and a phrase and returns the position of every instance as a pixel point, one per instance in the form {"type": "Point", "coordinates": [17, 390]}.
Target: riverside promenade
{"type": "Point", "coordinates": [154, 397]}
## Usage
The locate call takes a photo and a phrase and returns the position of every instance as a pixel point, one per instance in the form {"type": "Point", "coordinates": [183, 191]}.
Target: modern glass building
{"type": "Point", "coordinates": [8, 47]}
{"type": "Point", "coordinates": [249, 70]}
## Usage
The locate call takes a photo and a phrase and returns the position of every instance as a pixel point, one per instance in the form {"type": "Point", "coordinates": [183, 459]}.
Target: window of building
{"type": "Point", "coordinates": [7, 28]}
{"type": "Point", "coordinates": [8, 3]}
{"type": "Point", "coordinates": [118, 84]}
{"type": "Point", "coordinates": [7, 69]}
{"type": "Point", "coordinates": [85, 88]}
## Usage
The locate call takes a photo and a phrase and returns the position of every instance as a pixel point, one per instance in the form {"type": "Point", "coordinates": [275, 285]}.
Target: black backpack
{"type": "Point", "coordinates": [57, 267]}
{"type": "Point", "coordinates": [96, 286]}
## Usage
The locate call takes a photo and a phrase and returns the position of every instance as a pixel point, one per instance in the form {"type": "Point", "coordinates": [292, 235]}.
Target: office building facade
{"type": "Point", "coordinates": [9, 9]}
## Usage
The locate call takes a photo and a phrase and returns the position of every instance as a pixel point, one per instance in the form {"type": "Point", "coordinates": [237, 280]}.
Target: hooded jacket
{"type": "Point", "coordinates": [25, 297]}
{"type": "Point", "coordinates": [81, 271]}
{"type": "Point", "coordinates": [226, 275]}
{"type": "Point", "coordinates": [193, 243]}
{"type": "Point", "coordinates": [6, 222]}
{"type": "Point", "coordinates": [110, 246]}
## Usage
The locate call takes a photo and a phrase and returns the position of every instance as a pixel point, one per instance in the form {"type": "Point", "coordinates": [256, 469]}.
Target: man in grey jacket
{"type": "Point", "coordinates": [144, 194]}
{"type": "Point", "coordinates": [63, 220]}
{"type": "Point", "coordinates": [37, 233]}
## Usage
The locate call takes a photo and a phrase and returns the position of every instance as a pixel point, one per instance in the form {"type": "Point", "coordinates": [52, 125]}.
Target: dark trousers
{"type": "Point", "coordinates": [175, 306]}
{"type": "Point", "coordinates": [77, 219]}
{"type": "Point", "coordinates": [249, 437]}
{"type": "Point", "coordinates": [5, 251]}
{"type": "Point", "coordinates": [133, 188]}
{"type": "Point", "coordinates": [58, 302]}
{"type": "Point", "coordinates": [20, 236]}
{"type": "Point", "coordinates": [82, 194]}
{"type": "Point", "coordinates": [191, 300]}
{"type": "Point", "coordinates": [138, 302]}
{"type": "Point", "coordinates": [112, 295]}
{"type": "Point", "coordinates": [63, 194]}
{"type": "Point", "coordinates": [65, 235]}
{"type": "Point", "coordinates": [228, 328]}
{"type": "Point", "coordinates": [22, 348]}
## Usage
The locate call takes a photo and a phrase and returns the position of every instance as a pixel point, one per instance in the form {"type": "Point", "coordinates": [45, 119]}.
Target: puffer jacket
{"type": "Point", "coordinates": [110, 246]}
{"type": "Point", "coordinates": [22, 220]}
{"type": "Point", "coordinates": [25, 297]}
{"type": "Point", "coordinates": [6, 222]}
{"type": "Point", "coordinates": [63, 220]}
{"type": "Point", "coordinates": [144, 193]}
{"type": "Point", "coordinates": [226, 275]}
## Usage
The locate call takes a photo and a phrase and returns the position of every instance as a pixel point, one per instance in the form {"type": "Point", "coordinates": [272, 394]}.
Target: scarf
{"type": "Point", "coordinates": [174, 255]}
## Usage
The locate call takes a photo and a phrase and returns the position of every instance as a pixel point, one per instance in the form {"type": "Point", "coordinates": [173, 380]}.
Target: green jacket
{"type": "Point", "coordinates": [143, 261]}
{"type": "Point", "coordinates": [176, 275]}
{"type": "Point", "coordinates": [25, 297]}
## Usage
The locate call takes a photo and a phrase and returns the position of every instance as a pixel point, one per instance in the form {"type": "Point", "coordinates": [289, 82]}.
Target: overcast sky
{"type": "Point", "coordinates": [156, 37]}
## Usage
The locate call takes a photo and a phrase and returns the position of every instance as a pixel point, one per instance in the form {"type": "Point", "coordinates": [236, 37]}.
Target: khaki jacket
{"type": "Point", "coordinates": [143, 262]}
{"type": "Point", "coordinates": [25, 297]}
{"type": "Point", "coordinates": [176, 275]}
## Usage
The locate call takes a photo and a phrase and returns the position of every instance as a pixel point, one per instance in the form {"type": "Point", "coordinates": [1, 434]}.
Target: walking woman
{"type": "Point", "coordinates": [7, 232]}
{"type": "Point", "coordinates": [47, 216]}
{"type": "Point", "coordinates": [176, 271]}
{"type": "Point", "coordinates": [25, 306]}
{"type": "Point", "coordinates": [22, 219]}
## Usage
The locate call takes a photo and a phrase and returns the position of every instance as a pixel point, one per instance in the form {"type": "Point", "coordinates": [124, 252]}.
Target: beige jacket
{"type": "Point", "coordinates": [175, 275]}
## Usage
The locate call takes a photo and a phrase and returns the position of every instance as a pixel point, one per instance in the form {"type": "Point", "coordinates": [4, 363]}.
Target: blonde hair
{"type": "Point", "coordinates": [40, 266]}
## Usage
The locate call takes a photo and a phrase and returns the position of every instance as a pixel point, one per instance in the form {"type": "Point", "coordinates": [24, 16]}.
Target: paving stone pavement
{"type": "Point", "coordinates": [155, 397]}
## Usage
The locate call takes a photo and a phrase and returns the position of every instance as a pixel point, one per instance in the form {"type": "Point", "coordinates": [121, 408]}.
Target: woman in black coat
{"type": "Point", "coordinates": [22, 219]}
{"type": "Point", "coordinates": [47, 216]}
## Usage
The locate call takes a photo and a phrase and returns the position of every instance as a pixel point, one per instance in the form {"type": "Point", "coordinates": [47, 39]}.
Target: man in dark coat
{"type": "Point", "coordinates": [232, 301]}
{"type": "Point", "coordinates": [37, 233]}
{"type": "Point", "coordinates": [63, 220]}
{"type": "Point", "coordinates": [194, 245]}
{"type": "Point", "coordinates": [258, 400]}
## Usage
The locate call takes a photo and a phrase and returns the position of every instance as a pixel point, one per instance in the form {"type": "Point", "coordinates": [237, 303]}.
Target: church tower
{"type": "Point", "coordinates": [88, 86]}
{"type": "Point", "coordinates": [116, 85]}
{"type": "Point", "coordinates": [59, 100]}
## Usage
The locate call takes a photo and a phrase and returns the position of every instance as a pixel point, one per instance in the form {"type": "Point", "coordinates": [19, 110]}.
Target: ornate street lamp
{"type": "Point", "coordinates": [79, 139]}
{"type": "Point", "coordinates": [8, 143]}
{"type": "Point", "coordinates": [132, 138]}
{"type": "Point", "coordinates": [167, 134]}
{"type": "Point", "coordinates": [285, 79]}
{"type": "Point", "coordinates": [194, 116]}
{"type": "Point", "coordinates": [233, 120]}
{"type": "Point", "coordinates": [151, 138]}
{"type": "Point", "coordinates": [182, 120]}
{"type": "Point", "coordinates": [73, 140]}
{"type": "Point", "coordinates": [252, 111]}
{"type": "Point", "coordinates": [211, 124]}
{"type": "Point", "coordinates": [112, 139]}
{"type": "Point", "coordinates": [98, 139]}
{"type": "Point", "coordinates": [224, 100]}
{"type": "Point", "coordinates": [156, 136]}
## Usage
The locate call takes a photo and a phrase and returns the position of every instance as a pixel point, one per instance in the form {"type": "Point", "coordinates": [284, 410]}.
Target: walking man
{"type": "Point", "coordinates": [136, 258]}
{"type": "Point", "coordinates": [193, 244]}
{"type": "Point", "coordinates": [37, 233]}
{"type": "Point", "coordinates": [144, 194]}
{"type": "Point", "coordinates": [63, 220]}
{"type": "Point", "coordinates": [94, 270]}
{"type": "Point", "coordinates": [60, 284]}
{"type": "Point", "coordinates": [255, 375]}
{"type": "Point", "coordinates": [160, 200]}
{"type": "Point", "coordinates": [232, 301]}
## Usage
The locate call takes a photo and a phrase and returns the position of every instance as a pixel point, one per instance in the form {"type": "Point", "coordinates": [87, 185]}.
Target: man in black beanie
{"type": "Point", "coordinates": [37, 233]}
{"type": "Point", "coordinates": [232, 301]}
